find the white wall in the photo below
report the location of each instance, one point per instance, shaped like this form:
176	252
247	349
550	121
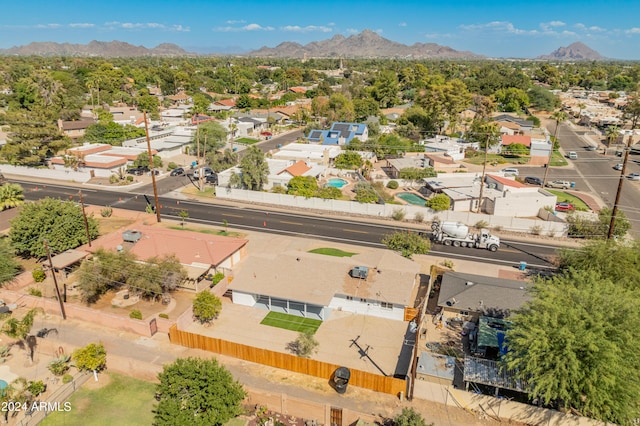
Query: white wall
370	307
244	299
44	173
386	210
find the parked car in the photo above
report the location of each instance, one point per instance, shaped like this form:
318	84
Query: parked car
135	171
565	207
618	167
532	180
573	155
510	171
212	179
590	148
563	184
206	171
633	176
178	171
155	172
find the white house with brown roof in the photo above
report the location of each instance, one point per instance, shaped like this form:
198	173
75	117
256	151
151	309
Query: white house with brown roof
312	285
75	129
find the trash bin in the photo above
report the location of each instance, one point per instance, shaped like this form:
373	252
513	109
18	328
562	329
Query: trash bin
340	379
523	266
573	184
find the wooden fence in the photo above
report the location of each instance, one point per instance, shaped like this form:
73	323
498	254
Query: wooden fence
311	367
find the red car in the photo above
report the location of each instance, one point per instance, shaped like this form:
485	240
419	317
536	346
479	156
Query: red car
565	207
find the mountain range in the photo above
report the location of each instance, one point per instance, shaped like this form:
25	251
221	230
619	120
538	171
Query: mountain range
366	44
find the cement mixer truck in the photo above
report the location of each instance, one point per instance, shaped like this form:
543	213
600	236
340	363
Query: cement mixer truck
457	234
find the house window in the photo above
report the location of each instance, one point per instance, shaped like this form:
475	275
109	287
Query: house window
386	305
349	297
363	300
464	313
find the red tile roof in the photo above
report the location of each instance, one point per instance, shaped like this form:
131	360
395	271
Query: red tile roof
226	102
521	139
508	182
297	169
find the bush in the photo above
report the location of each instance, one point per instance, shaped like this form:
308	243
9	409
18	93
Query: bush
67	378
172	165
439	202
163	315
392	184
418	217
398	214
36	388
114	179
59	366
135	314
481	224
35	292
129	178
38	275
106	212
536	229
217	278
206	307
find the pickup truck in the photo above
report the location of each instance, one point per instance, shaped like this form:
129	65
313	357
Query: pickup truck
561	184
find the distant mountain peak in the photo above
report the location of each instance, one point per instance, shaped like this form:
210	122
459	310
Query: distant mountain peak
94	48
577	51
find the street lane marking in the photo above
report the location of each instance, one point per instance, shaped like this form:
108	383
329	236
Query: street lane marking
353	230
231	215
291	223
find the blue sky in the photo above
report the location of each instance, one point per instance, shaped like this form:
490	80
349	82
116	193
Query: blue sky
494	28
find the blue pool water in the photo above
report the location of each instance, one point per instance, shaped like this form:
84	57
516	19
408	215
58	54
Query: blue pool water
3	384
337	182
411	198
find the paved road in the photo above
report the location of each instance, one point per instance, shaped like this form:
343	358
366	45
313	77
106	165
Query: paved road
292	223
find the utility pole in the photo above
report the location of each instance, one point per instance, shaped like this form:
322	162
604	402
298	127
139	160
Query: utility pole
86	222
55	281
204	161
614	211
153	170
484	169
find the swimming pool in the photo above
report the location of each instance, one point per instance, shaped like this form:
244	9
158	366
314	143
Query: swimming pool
337	182
412	198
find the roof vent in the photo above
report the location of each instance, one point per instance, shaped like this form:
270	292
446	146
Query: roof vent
360	272
452	302
131	236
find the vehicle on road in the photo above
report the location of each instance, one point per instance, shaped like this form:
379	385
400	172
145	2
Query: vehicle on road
562	184
510	171
590	148
532	180
565	207
573	155
206	171
633	176
457	234
618	167
178	171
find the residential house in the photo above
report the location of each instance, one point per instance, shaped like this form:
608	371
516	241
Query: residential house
452	147
339	134
378	283
317	154
180	98
127	115
507	140
524	125
75	129
280	172
395	165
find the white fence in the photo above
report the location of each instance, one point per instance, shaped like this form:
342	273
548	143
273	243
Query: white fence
45	173
515	224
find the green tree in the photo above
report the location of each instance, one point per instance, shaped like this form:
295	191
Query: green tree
302	186
612	134
340	108
105	271
439	202
206	307
222	161
197	392
582	227
20	329
9	267
365	193
142	160
415	173
511	99
573	344
409	417
255	169
348	160
407	243
112	133
11	195
213	134
329	192
516	149
59	222
92	357
385	88
305	345
543	99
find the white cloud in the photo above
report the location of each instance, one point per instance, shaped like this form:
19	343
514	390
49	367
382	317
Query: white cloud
249	27
632	31
82	25
556	24
352	31
236	21
145	25
49	26
307	29
402	24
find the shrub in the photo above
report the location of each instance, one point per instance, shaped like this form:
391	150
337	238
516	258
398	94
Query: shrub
107	211
497	228
392	184
439	202
163	315
67	378
398	214
135	314
447	263
35	292
59	366
536	229
206	307
114	179
217	278
38	275
481	224
172	165
36	388
129	178
418	217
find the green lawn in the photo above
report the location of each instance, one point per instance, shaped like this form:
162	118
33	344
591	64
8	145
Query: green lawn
564	197
246	141
496	159
291	322
124	401
332	252
557	160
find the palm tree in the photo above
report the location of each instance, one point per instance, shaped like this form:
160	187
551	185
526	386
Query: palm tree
559	116
20	329
612	134
11	195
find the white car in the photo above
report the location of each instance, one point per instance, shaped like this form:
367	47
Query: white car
634	176
207	171
618	167
510	171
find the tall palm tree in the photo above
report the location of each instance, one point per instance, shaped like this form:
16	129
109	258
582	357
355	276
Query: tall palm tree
11	195
559	117
612	134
